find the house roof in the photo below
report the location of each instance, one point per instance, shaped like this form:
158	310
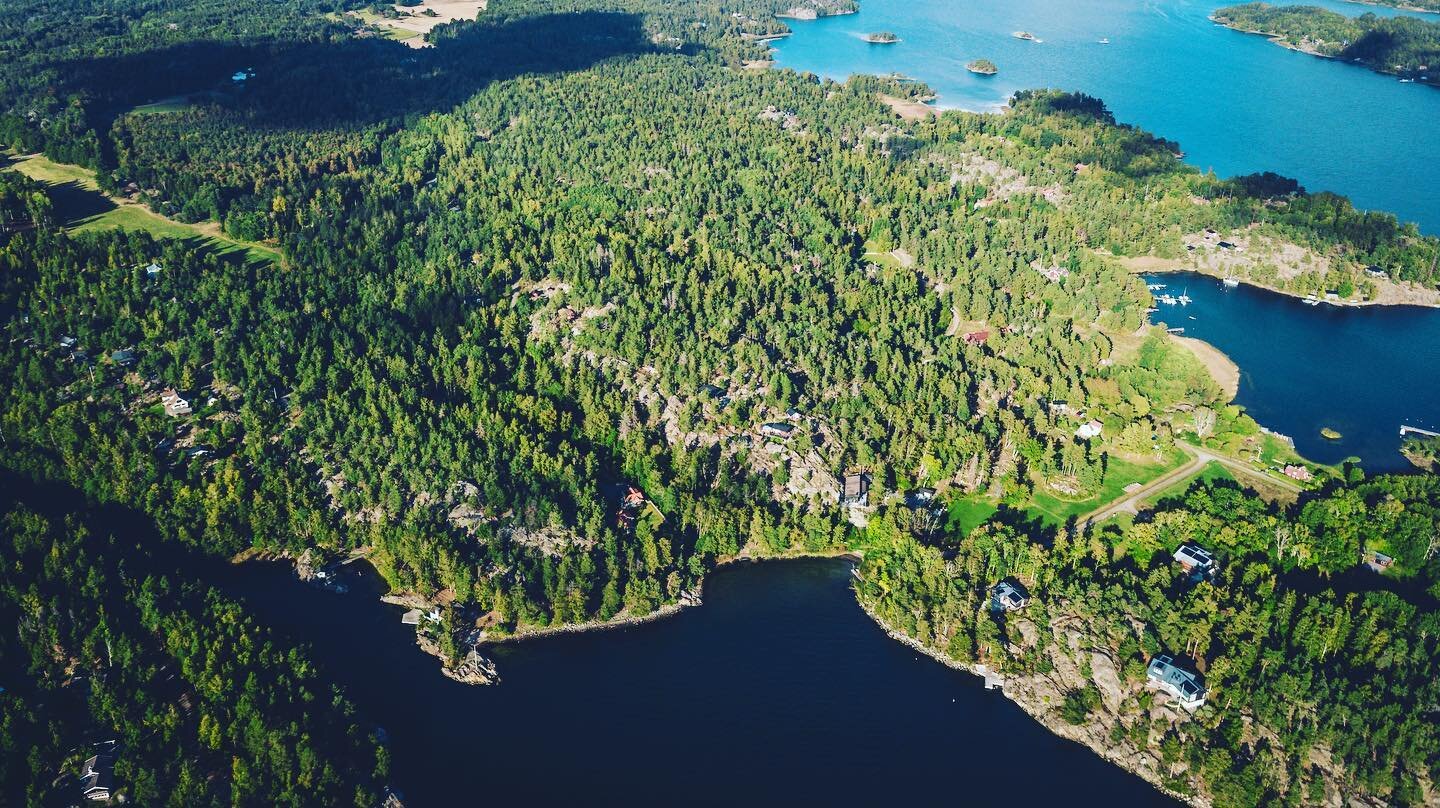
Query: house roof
856	484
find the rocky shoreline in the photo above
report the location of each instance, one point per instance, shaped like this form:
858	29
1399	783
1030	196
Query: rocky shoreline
1024	693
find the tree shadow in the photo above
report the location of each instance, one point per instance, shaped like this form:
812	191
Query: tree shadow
74	203
355	81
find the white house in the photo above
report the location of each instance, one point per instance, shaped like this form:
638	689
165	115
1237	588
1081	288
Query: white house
1183	685
1090	430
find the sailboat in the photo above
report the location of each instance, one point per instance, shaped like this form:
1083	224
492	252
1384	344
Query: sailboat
1104	40
1184	297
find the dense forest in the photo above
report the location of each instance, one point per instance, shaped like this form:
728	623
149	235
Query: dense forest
114	646
1403	45
573	248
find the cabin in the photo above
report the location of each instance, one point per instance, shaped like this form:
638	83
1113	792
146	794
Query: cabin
1008	597
793	414
1195	559
153	269
123	358
175	405
1226	245
1299	473
977	337
1090	430
68	342
1375	272
96	777
1059	407
1376	561
777	429
1183	685
855	490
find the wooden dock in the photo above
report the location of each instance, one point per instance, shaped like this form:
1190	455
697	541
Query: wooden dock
1406	429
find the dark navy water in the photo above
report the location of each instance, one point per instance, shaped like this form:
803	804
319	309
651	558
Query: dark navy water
778	691
1360	371
1236	103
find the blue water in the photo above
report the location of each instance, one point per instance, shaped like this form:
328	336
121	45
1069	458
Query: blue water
1236	103
1360	371
778	691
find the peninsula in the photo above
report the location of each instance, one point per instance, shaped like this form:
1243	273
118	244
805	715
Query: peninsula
1402	46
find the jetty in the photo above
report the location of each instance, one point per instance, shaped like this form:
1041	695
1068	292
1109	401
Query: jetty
1406	429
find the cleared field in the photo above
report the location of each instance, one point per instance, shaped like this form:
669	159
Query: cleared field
416	21
82	206
1056	511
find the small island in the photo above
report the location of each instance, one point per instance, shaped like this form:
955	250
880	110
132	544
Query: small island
1329	434
881	38
983	67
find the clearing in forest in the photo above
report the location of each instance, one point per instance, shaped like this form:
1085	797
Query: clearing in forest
80	205
416	21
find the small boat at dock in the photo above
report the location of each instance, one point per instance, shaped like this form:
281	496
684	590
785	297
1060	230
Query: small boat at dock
1155	286
1175	331
1168	300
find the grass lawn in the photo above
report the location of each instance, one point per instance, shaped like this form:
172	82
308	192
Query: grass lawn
175	104
968	513
1056	511
82	206
1211	473
882	259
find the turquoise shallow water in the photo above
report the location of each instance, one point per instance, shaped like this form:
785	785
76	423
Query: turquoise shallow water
1236	103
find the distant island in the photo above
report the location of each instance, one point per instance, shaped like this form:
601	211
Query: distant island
1426	6
1400	46
881	38
984	67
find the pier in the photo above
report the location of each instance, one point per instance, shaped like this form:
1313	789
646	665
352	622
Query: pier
1406	429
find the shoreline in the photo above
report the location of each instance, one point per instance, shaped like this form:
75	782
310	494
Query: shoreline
1167	268
1283	41
1107	754
1406	7
661	612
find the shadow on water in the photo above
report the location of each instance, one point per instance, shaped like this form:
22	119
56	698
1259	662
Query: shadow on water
355	81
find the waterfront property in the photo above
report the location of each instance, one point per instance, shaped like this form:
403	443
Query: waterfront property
1008	597
1167	676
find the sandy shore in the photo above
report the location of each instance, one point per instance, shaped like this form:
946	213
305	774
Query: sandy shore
908	109
1222	368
